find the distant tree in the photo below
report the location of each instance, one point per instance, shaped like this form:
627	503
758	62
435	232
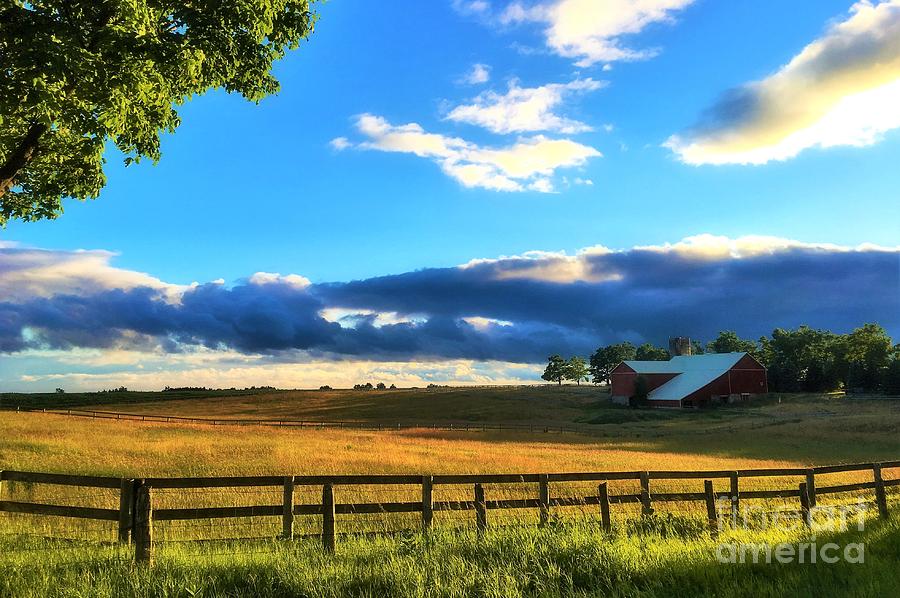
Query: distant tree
803	360
78	77
697	347
381	386
576	370
393	387
60	391
650	352
891	381
555	370
605	359
867	352
325	387
729	342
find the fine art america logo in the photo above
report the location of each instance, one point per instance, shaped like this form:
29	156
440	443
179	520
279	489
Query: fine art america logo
819	520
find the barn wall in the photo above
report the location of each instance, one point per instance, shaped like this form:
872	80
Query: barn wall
623	382
747	376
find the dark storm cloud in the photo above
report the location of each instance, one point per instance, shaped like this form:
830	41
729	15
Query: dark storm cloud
520	309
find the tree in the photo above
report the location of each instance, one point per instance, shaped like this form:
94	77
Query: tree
555	370
604	359
868	352
891	382
576	370
650	352
381	386
729	342
805	359
76	74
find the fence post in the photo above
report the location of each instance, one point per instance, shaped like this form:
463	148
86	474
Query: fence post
126	510
880	498
735	497
603	493
804	504
143	524
480	509
287	509
646	504
711	514
328	518
544	497
427	501
811	486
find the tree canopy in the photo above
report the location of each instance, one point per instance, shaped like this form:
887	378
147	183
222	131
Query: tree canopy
76	74
576	370
650	352
604	359
729	342
555	370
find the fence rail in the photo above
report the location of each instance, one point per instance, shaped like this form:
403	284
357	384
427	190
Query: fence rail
136	514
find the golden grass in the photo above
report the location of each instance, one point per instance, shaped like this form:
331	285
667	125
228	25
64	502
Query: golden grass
48	442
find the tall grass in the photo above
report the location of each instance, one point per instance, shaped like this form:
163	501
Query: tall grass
661	557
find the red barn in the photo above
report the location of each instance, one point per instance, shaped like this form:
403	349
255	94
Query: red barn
692	380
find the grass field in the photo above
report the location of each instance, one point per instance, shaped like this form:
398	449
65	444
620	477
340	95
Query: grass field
570	559
508	563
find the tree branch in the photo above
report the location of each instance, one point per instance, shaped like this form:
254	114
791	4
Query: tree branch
20	157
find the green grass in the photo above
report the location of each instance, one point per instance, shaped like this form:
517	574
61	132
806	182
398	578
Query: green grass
565	560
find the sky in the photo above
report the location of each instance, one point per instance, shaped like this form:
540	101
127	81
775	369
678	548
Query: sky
449	191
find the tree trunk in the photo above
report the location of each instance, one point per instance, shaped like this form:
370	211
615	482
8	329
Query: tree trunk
20	157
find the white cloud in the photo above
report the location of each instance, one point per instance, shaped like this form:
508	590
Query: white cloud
294	280
523	165
30	272
590	31
350	317
841	90
717	247
472	7
340	143
524	109
478	74
548	266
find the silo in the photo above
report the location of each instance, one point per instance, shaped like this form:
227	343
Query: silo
679	345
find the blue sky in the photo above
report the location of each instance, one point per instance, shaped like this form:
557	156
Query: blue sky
246	188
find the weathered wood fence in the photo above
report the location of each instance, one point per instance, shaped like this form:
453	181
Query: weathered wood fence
136	514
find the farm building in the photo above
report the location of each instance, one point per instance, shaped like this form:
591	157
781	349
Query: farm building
692	380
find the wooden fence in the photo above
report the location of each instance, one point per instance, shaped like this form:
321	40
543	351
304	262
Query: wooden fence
136	514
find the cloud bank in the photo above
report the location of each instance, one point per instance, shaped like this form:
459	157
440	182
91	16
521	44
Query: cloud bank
515	309
843	89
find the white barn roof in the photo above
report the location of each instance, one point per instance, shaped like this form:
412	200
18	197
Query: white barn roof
693	373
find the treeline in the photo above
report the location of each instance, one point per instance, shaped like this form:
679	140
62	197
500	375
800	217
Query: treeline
368	386
205	389
802	360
